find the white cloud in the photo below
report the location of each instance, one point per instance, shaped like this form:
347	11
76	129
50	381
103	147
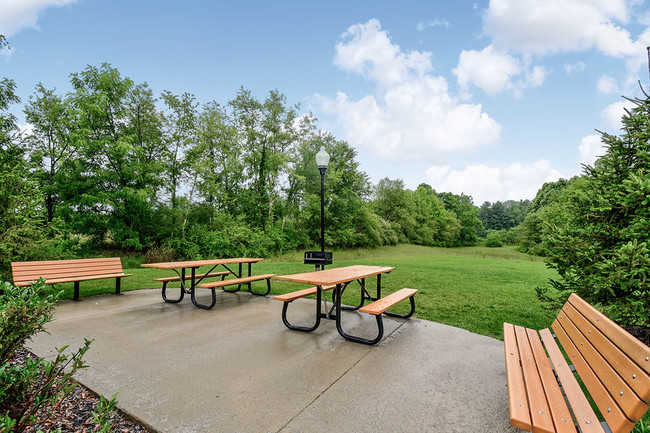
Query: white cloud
494	72
436	22
18	14
574	68
549	26
607	85
411	116
590	148
516	181
613	113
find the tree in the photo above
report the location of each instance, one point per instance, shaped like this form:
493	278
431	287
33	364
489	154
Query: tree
49	140
112	182
268	140
394	204
598	239
467	215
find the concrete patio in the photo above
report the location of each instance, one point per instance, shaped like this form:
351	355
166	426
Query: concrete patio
236	368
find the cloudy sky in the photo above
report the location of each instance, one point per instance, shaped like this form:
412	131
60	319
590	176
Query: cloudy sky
488	98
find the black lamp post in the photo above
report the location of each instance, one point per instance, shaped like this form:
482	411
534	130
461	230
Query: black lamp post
322	159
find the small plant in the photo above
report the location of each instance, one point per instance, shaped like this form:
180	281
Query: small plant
104	412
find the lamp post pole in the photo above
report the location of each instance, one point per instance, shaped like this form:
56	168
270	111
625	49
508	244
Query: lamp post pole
322	208
322	159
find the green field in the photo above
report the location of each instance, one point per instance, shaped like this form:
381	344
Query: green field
473	288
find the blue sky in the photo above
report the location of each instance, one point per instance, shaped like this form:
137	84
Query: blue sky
488	98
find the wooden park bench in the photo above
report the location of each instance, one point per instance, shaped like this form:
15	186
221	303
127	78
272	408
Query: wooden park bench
69	271
238	282
543	392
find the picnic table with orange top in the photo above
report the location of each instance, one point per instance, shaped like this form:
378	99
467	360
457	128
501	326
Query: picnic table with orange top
196	280
338	279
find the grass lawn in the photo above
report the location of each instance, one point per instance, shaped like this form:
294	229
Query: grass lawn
473	288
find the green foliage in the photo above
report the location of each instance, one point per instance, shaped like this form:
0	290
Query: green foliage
597	236
105	410
29	391
493	239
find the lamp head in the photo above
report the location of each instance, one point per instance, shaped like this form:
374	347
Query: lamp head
322	158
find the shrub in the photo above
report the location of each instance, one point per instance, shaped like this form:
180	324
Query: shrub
493	239
30	390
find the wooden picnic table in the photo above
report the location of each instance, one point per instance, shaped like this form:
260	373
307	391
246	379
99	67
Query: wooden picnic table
195	280
338	279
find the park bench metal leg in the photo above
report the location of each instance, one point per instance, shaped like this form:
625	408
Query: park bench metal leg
76	291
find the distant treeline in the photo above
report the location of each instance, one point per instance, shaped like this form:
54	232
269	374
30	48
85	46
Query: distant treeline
111	166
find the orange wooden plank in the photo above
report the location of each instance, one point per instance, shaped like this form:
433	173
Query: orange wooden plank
632	347
517	401
287	297
559	410
383	304
540	413
608	386
189	276
584	414
234	281
628	370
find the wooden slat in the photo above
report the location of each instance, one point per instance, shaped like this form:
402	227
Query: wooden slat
584	414
632	347
611	411
336	275
71	270
559	410
234	281
383	304
540	413
628	370
593	363
189	277
288	297
73	279
199	263
517	401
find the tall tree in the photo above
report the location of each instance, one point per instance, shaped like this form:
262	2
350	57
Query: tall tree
112	183
49	140
268	137
599	236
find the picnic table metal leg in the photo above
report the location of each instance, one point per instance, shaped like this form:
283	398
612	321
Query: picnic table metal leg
182	295
193	294
303	328
237	276
404	316
380	324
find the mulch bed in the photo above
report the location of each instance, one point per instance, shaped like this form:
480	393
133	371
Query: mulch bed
75	413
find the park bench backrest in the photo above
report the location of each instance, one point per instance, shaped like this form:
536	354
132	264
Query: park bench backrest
614	366
26	272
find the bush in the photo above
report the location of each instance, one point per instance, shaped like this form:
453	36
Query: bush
30	390
493	239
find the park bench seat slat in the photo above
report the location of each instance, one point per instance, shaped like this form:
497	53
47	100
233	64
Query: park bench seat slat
189	276
610	362
292	296
234	281
539	410
383	304
517	400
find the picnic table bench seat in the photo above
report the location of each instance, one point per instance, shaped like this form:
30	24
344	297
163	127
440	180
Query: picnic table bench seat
69	271
166	280
239	281
543	393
